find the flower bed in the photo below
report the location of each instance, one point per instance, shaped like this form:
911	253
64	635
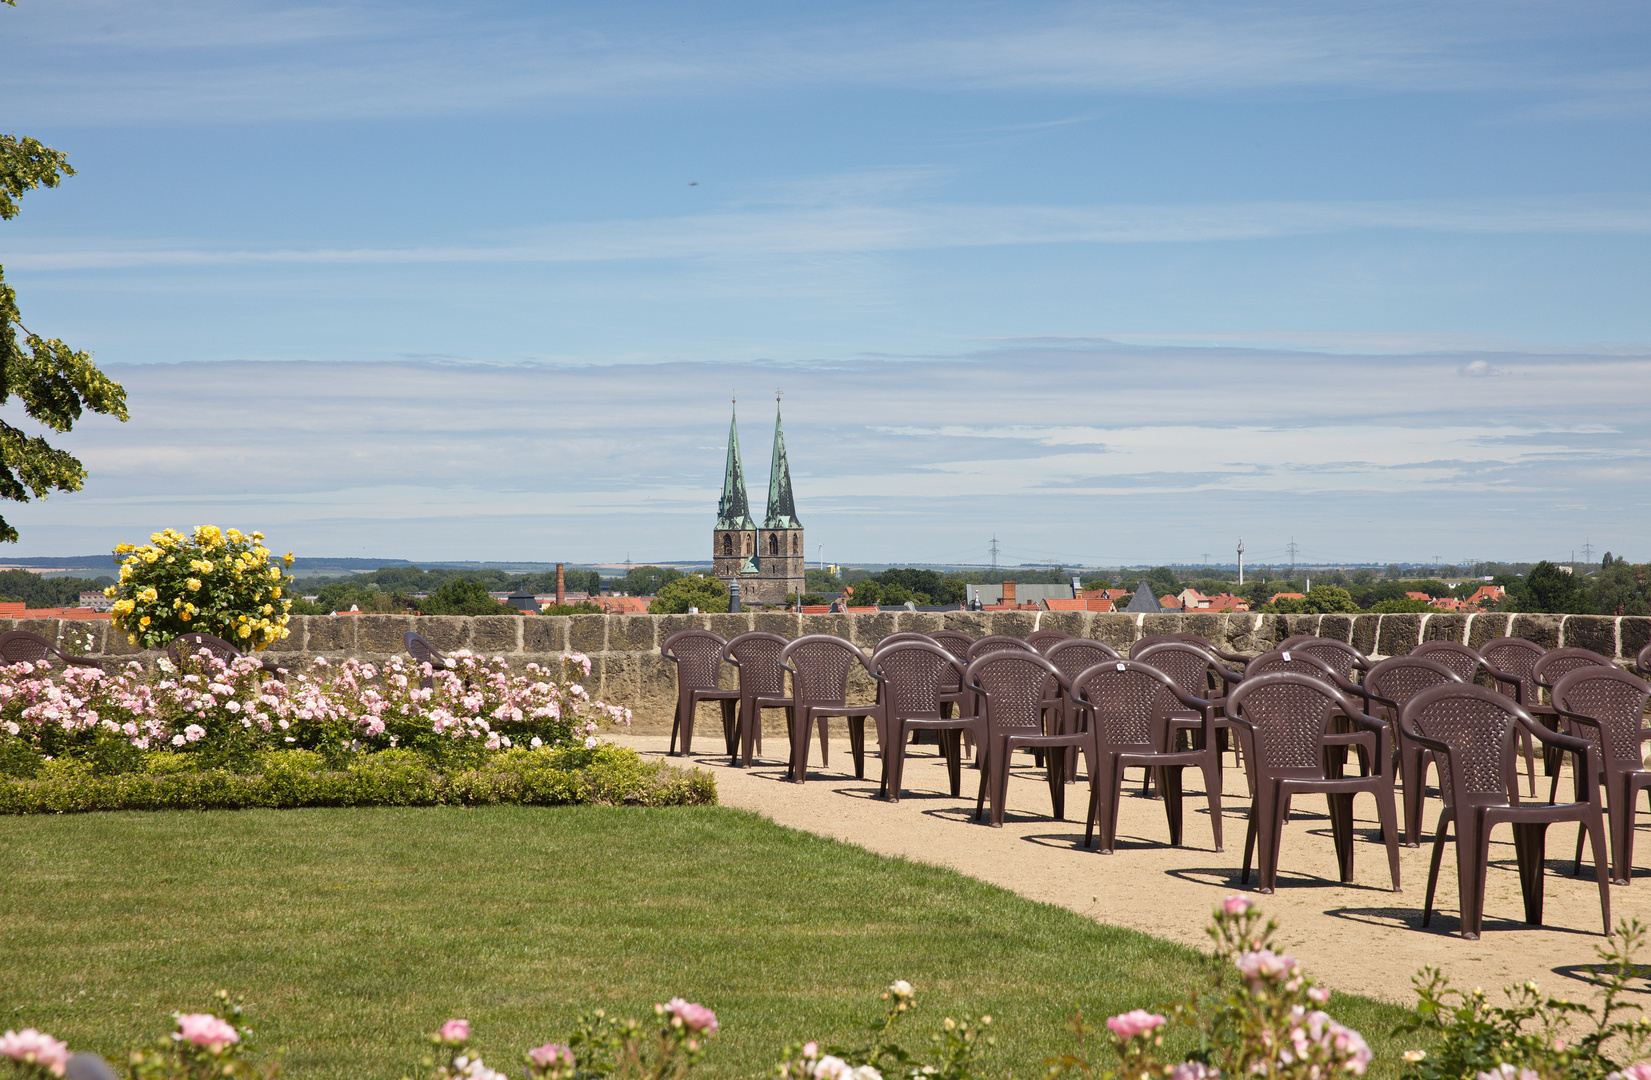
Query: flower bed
220	735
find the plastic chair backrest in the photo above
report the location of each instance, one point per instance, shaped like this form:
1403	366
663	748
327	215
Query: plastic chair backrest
997	643
1555	664
1479	726
1513	656
820	665
916	673
1290	712
1128	699
1187	666
1403	677
23	647
698	656
1458	658
1044	640
1613	697
188	646
1013	681
758	661
1079	654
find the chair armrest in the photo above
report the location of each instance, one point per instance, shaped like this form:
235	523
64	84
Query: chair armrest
667	655
1578	718
1235	718
787	667
1501	676
1568	742
1424	742
1229	657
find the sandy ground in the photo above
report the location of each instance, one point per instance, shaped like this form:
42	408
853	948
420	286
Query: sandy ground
1360	937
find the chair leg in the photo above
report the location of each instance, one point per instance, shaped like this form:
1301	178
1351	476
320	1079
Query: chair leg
1596	829
1249	844
1341	829
951	744
800	718
1472	861
985	776
690	709
1445	817
1388	814
1413	773
676	726
1530	761
742	733
825	746
894	761
1272	841
730	726
857	745
1530	842
1212	790
1169	782
1056	758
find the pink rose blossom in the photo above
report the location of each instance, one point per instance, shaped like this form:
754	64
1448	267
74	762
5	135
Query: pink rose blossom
36	1047
204	1029
1194	1070
1265	966
550	1054
693	1017
455	1031
1236	905
1633	1072
1133	1023
811	1049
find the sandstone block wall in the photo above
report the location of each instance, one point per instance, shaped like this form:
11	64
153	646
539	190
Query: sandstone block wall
627	669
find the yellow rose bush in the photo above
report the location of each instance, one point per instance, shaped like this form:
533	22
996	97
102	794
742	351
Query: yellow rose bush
217	581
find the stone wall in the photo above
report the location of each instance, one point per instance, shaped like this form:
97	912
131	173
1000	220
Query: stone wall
628	670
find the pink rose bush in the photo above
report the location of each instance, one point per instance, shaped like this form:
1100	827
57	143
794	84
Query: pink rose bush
36	1050
204	1029
227	712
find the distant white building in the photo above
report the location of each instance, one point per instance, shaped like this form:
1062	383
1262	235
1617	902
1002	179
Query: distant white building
96	601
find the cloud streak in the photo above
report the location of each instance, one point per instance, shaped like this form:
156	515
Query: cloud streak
869	227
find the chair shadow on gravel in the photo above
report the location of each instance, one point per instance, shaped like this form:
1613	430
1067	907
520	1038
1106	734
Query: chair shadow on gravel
1595	976
1288	880
1446	923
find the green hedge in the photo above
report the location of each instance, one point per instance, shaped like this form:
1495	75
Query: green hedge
603	776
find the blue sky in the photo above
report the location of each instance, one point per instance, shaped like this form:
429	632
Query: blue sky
1117	282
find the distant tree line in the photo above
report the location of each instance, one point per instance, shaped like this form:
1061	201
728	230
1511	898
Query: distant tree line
39	591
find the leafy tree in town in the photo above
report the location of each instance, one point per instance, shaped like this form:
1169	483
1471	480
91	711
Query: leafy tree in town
692	590
822	581
1620	588
647	580
463	596
1396	605
1320	600
56	383
39	591
1548	588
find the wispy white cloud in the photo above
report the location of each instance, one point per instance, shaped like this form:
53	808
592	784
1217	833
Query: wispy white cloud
1074	450
846	227
239	61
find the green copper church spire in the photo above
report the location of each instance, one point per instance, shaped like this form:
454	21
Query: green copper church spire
734	509
782	510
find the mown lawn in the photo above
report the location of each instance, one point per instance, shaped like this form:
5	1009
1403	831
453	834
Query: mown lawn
352	933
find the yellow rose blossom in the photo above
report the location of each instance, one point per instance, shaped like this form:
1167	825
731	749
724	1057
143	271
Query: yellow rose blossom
151	555
193	584
110	592
268	609
132	639
288	558
149	595
243	631
121	549
275	593
186	615
144	621
275	573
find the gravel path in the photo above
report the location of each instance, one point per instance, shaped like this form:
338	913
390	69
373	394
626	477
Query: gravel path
1360	937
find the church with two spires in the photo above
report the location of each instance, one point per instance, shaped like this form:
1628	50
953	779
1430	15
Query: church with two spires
768	561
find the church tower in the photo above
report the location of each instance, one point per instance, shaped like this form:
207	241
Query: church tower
734	539
780	541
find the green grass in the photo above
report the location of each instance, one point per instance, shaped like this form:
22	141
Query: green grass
351	933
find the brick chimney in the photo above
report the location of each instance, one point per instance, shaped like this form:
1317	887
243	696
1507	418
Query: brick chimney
1008	592
561	586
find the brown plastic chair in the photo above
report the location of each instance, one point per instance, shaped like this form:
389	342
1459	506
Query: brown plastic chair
1508	661
1070	657
23	647
1606	706
187	646
1283	718
1332	666
1391	684
423	653
1342	658
697	655
1130	705
756	656
1471	732
911	676
1548	669
1150	640
820	666
996	643
1043	640
1642	662
904	635
1198	674
1465	662
957	643
1010	684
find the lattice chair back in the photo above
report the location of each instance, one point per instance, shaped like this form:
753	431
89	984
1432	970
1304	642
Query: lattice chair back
1044	640
698	655
758	653
1480	727
1187	666
1013	681
1458	658
1555	664
1290	712
1129	700
23	647
1617	700
916	673
1338	656
1079	654
1291	659
1403	677
820	666
996	643
1514	656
